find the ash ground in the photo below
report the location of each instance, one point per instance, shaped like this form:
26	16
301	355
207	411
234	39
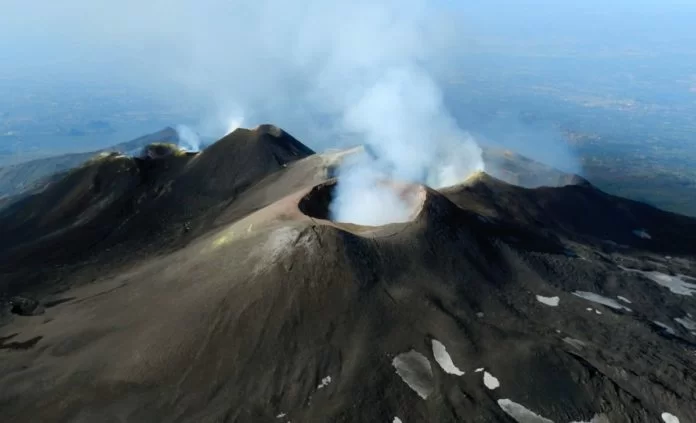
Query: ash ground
211	287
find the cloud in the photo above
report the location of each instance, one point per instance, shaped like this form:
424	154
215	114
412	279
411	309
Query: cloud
319	69
294	63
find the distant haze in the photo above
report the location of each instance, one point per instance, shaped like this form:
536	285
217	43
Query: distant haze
277	61
344	72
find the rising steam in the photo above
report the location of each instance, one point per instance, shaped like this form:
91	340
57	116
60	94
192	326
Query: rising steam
318	69
188	138
402	119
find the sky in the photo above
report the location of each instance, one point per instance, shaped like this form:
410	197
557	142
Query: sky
305	63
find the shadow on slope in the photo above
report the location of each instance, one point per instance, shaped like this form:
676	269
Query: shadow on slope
579	212
36	174
130	206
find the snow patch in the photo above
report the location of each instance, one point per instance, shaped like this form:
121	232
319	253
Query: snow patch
444	360
667	328
324	382
642	233
479	370
520	413
624	299
281	415
490	381
414	369
549	301
397	420
686	322
596	298
669	418
574	342
598	312
676	284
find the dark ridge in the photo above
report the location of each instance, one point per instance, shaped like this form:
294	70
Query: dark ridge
20	346
578	212
23	306
160	150
126	207
519	170
53	303
32	176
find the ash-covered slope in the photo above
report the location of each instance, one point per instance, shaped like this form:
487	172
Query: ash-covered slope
35	174
127	206
522	171
270	312
579	212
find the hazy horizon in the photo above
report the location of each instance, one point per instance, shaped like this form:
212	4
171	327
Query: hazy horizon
304	65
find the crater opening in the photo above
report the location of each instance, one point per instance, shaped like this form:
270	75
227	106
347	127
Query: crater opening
377	204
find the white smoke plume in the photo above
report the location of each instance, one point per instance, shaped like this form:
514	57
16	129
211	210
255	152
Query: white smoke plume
316	68
404	122
188	138
361	198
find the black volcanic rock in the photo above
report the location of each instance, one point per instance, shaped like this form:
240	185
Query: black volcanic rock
579	212
494	303
22	306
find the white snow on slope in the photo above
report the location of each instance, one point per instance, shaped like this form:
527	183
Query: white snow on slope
574	342
549	301
641	233
490	381
676	284
624	299
596	298
670	330
443	359
520	413
686	322
397	420
324	382
414	369
669	418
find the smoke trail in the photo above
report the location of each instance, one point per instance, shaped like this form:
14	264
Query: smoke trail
188	139
313	67
404	122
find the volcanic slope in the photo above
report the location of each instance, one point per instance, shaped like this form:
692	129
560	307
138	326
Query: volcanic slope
126	206
268	311
34	174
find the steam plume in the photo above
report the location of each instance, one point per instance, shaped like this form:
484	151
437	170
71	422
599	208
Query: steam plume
402	118
317	68
188	139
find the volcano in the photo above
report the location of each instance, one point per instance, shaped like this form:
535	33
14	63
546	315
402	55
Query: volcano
214	287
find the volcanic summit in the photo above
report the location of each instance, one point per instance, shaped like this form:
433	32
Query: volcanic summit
217	287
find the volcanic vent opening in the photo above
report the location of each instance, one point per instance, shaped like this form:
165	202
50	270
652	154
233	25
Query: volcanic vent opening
379	203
